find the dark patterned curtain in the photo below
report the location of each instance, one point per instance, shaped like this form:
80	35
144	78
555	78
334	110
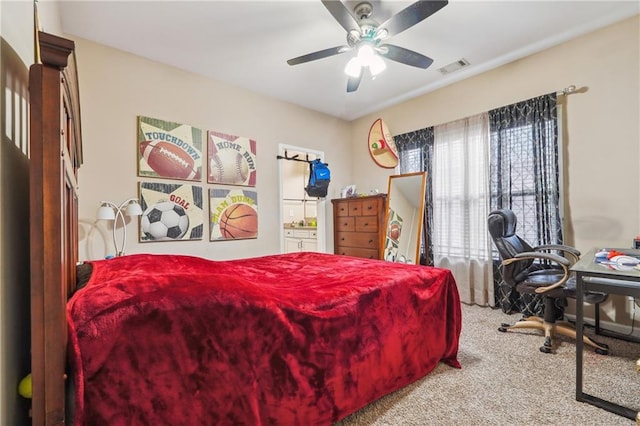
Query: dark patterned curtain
415	151
524	177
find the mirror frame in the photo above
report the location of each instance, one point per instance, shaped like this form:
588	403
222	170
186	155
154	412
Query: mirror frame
420	214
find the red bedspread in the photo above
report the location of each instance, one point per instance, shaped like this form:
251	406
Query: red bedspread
294	339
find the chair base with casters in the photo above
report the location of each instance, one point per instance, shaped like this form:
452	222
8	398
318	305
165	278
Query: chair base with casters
551	328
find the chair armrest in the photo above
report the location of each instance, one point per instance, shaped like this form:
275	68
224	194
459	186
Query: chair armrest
563	262
574	253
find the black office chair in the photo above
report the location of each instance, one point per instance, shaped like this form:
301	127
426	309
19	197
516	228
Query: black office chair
549	278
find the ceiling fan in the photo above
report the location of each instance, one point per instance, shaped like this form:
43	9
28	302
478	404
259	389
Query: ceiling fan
368	37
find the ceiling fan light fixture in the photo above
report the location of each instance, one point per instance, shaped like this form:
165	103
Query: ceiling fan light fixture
376	65
366	54
353	68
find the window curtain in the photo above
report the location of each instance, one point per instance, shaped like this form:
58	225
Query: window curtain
415	151
525	177
461	202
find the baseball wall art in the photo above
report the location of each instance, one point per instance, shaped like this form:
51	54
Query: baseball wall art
234	214
232	159
169	150
171	212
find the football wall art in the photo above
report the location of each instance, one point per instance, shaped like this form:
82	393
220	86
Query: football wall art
232	159
171	212
169	150
233	214
392	239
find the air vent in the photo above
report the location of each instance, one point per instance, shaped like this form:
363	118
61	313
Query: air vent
454	66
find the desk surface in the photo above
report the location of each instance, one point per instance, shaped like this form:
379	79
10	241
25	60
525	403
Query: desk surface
586	264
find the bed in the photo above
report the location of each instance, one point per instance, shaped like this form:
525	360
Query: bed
299	338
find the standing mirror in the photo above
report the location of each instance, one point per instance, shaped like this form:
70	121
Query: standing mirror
405	210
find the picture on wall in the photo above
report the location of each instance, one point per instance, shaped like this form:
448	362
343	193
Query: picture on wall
171	212
233	214
232	159
169	150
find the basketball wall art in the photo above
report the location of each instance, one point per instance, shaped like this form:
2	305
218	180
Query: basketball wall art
232	159
171	212
169	150
234	214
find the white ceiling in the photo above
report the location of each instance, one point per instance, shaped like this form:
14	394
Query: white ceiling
247	43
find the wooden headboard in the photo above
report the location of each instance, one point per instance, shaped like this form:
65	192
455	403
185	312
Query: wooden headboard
55	156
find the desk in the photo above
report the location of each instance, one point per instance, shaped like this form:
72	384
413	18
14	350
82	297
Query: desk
595	277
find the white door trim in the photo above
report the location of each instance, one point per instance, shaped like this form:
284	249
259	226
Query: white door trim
321	225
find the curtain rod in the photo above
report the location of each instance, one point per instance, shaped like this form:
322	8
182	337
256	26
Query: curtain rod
567	90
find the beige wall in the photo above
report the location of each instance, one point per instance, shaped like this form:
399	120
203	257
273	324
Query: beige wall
601	127
602	142
116	87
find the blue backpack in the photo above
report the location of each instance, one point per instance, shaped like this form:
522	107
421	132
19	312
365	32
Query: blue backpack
319	178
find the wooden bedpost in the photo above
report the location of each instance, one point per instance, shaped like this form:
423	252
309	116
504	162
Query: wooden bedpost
55	155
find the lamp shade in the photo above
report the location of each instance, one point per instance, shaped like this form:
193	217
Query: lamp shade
353	68
376	65
134	209
106	212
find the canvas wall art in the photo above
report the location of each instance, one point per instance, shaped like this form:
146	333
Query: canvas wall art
169	150
233	214
171	212
231	159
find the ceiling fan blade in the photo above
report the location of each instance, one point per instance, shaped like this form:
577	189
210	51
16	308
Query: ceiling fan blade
341	14
404	56
408	17
318	55
353	83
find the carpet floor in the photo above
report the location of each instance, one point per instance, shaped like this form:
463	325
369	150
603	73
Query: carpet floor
506	380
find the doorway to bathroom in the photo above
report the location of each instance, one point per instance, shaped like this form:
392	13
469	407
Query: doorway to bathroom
302	217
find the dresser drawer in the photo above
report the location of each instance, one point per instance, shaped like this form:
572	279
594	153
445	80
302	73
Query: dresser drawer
301	233
358	252
345	224
358	239
355	208
370	207
366	224
342	208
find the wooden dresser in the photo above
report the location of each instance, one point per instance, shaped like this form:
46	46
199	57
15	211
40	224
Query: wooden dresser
358	226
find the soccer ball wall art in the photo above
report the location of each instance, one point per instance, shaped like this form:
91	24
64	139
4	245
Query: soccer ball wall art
163	221
171	212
